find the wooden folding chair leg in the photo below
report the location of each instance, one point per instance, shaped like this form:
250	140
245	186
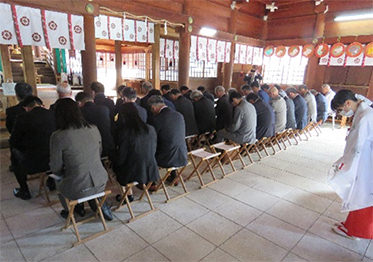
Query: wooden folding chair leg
146	188
99	205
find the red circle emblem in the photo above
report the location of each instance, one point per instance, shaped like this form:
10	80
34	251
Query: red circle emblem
25	21
98	23
77	29
280	51
339	60
321	50
293	51
143	37
36	37
112	26
337	50
369	50
104	33
118	35
126	28
354	49
151	30
176	47
6	35
307	50
62	40
132	36
139	29
52	25
269	51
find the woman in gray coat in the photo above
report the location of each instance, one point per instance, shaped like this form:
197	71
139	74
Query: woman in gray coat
75	156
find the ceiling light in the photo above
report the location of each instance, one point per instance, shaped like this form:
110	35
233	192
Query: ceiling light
353	17
206	31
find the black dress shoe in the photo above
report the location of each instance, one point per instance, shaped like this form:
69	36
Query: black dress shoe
22	194
51	184
79	209
106	211
119	198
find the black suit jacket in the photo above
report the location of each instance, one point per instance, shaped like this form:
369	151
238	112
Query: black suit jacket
30	137
224	113
171	146
185	107
264	119
11	115
300	108
99	116
205	115
100	99
209	96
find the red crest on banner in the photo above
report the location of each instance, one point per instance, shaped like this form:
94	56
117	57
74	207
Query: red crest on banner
269	50
293	50
369	50
354	49
280	51
307	50
321	50
337	50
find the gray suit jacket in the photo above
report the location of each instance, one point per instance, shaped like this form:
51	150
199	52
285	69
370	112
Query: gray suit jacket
279	106
312	108
243	126
75	156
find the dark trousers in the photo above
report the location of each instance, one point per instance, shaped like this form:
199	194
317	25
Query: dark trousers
21	176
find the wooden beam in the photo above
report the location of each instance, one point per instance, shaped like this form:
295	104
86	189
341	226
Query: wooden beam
156	60
370	88
147	65
29	68
89	66
184	57
228	68
118	62
5	59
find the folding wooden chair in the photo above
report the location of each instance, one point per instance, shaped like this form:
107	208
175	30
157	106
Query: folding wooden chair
42	176
70	221
271	141
107	165
280	138
125	192
204	139
248	148
230	151
179	171
291	133
261	145
205	157
189	140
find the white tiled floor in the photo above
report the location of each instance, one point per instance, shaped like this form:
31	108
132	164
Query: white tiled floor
278	209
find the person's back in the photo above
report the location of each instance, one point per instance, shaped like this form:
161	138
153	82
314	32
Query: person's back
290	113
224	113
99	116
31	135
279	107
244	122
171	146
311	107
264	96
98	91
322	106
184	106
300	109
205	115
265	119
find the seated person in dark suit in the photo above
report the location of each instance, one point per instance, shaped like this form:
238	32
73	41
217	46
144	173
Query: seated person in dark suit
223	109
170	127
146	87
165	90
30	142
300	108
119	101
185	91
206	93
137	144
98	92
63	91
264	116
321	105
290	111
99	116
22	91
75	157
204	111
130	96
260	92
185	107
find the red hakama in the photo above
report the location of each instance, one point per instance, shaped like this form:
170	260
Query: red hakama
359	223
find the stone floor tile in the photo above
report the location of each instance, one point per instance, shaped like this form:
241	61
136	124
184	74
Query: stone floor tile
184	245
334	212
308	200
293	214
214	228
5	234
274	188
369	252
10	252
15	206
228	187
247	246
218	255
314	248
277	231
257	199
238	212
77	254
293	258
154	226
208	198
148	254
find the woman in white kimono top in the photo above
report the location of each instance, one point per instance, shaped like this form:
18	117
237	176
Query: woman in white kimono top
352	175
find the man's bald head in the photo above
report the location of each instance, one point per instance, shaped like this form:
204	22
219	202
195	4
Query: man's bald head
273	92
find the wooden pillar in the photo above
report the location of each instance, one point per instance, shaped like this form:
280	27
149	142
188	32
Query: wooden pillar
118	62
184	57
147	65
37	51
313	79
89	65
29	73
370	88
228	68
5	59
156	59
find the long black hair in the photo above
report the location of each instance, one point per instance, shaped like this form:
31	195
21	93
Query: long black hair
341	97
130	119
68	115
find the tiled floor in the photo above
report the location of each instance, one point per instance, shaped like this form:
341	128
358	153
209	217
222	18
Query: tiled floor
278	209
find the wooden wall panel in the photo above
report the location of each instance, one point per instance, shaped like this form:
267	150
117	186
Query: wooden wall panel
249	26
299	27
364	27
336	74
285	12
359	76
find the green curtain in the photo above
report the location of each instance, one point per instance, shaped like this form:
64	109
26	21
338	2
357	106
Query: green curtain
58	60
1	63
61	60
63	55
